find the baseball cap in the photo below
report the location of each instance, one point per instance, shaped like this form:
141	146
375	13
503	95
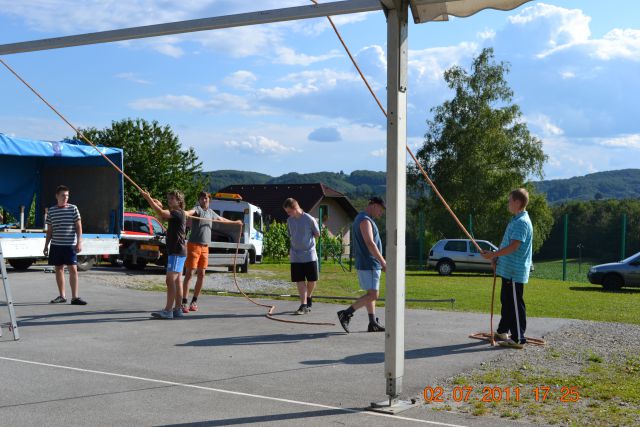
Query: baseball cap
377	200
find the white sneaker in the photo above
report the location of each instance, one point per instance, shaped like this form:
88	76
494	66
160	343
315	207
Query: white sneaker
501	337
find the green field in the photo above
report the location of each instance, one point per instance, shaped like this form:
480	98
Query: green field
472	292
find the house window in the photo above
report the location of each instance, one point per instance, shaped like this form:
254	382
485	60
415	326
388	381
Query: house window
323	213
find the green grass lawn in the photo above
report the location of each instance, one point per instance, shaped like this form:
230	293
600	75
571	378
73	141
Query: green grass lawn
472	292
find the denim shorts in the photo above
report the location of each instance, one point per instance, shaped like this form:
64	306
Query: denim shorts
175	263
369	279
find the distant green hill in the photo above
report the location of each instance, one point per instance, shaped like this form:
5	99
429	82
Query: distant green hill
618	184
357	184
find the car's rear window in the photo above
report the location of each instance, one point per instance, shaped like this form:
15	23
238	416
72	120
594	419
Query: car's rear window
456	246
137	224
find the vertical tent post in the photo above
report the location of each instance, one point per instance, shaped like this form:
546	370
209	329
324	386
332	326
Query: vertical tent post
397	47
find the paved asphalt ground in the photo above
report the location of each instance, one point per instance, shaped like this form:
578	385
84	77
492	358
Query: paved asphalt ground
108	363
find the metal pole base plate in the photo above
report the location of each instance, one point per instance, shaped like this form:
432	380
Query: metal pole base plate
392	406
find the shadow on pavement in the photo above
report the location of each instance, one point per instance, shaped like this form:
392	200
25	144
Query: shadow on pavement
258	339
266	418
420	353
71	318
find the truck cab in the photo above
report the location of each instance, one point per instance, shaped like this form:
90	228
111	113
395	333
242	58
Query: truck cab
232	207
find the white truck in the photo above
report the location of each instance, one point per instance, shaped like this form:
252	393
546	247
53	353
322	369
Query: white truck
232	207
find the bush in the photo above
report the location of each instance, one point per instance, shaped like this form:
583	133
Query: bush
276	241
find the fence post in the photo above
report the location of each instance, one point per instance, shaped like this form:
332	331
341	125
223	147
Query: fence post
623	243
564	247
421	239
320	211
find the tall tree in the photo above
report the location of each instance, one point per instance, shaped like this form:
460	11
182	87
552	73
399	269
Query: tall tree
476	149
154	158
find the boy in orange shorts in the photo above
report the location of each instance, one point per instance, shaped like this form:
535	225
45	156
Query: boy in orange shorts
198	248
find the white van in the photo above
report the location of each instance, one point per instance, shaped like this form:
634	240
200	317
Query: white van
232	207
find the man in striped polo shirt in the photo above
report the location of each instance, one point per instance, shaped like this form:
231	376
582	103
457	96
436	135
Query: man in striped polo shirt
64	231
512	263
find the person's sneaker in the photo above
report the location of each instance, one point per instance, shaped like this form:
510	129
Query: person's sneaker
375	326
178	313
501	337
309	302
162	314
184	308
58	300
303	309
344	319
193	307
511	344
78	301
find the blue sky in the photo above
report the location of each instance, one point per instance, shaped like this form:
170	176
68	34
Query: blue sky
284	97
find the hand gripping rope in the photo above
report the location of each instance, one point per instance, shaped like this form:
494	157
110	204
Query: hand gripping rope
480	335
269	314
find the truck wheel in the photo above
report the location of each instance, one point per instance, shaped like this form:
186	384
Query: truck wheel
612	282
85	263
252	257
244	268
445	268
21	264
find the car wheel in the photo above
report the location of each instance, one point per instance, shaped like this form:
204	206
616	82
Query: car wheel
85	263
445	268
612	282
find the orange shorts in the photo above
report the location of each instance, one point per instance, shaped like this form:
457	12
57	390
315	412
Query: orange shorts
197	256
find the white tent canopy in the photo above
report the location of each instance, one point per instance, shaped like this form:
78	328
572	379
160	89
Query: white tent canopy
397	12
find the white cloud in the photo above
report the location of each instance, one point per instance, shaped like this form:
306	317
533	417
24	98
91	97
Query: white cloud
432	62
241	79
487	34
259	145
570	28
567	74
168	102
624	141
308	82
567	26
379	153
288	56
132	77
544	123
618	43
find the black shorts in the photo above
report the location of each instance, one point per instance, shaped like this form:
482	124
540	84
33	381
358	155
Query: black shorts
301	271
62	255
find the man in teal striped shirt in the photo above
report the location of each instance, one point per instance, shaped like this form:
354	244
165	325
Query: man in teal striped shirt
513	262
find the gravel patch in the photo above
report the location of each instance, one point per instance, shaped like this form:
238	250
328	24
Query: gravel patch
567	354
259	282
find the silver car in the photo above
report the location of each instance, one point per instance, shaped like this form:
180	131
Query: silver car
449	255
615	275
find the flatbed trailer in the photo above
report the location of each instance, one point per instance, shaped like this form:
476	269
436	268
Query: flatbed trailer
30	172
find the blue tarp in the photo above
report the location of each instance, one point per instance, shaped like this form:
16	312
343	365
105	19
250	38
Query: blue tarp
22	161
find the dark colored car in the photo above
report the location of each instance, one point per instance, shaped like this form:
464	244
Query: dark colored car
615	275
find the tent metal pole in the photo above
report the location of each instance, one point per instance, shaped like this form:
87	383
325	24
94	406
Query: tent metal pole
203	24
